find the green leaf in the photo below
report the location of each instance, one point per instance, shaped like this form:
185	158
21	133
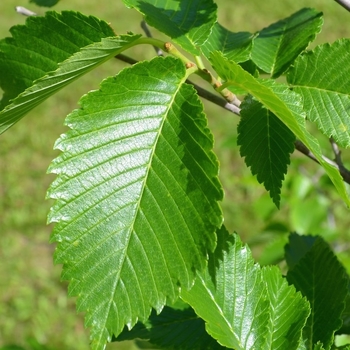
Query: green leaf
242	303
322	77
188	23
41	64
45	3
288	311
318	346
345	328
37	47
283	103
173	329
266	143
321	278
277	46
234	46
137	192
71	69
297	247
231	296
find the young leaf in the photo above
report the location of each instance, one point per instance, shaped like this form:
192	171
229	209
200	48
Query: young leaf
173	329
240	310
283	103
46	55
234	46
320	277
266	143
188	23
288	311
231	296
322	77
137	192
277	46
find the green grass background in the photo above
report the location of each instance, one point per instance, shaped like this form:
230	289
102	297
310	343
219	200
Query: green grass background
34	309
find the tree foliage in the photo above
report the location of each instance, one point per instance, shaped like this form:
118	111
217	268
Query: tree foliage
138	223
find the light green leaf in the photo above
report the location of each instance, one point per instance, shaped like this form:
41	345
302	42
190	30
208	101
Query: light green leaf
231	296
37	47
345	328
282	102
173	329
277	46
234	46
188	23
288	311
51	60
137	195
322	77
266	143
320	277
246	307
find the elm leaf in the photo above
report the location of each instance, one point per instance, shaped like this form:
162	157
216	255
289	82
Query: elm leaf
136	196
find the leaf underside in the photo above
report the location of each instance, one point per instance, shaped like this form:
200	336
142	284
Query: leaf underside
47	54
242	304
188	23
322	77
137	194
277	46
320	277
266	143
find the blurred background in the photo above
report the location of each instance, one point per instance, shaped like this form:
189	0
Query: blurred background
35	313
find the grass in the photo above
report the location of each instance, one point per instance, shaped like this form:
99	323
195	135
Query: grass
34	306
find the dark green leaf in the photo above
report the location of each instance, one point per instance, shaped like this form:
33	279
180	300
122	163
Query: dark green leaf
46	55
345	328
266	143
242	304
45	3
136	195
188	23
282	102
322	77
297	247
39	46
173	329
234	46
277	46
322	279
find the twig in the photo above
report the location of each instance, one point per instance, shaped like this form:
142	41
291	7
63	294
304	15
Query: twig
126	59
344	3
25	12
219	101
145	28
